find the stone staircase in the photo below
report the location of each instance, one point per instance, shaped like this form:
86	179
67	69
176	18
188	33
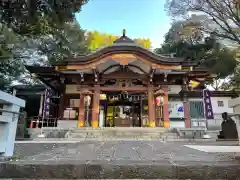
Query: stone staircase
120	133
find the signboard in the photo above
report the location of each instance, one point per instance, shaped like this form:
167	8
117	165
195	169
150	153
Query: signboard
46	105
74	102
176	109
174	89
208	111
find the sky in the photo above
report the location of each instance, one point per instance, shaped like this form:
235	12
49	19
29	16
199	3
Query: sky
140	18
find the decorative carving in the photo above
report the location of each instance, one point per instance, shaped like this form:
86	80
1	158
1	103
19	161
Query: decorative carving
124	56
124	83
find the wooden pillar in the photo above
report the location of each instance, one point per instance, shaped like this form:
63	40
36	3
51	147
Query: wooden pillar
151	107
81	112
186	113
186	108
62	101
61	106
41	105
165	107
95	107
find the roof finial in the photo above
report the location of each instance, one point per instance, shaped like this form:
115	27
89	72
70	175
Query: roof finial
124	32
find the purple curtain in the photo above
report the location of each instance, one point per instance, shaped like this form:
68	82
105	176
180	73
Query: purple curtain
207	104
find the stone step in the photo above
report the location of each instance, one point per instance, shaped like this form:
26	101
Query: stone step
120	133
113	135
118	129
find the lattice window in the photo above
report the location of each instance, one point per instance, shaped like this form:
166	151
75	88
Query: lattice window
196	109
220	103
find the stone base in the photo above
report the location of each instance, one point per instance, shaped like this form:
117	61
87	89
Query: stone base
67	124
116	170
50	132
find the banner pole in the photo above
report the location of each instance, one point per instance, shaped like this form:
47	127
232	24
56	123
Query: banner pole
204	111
43	116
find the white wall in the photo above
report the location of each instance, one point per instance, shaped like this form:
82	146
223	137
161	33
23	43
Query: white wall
224	108
235	104
216	109
215	124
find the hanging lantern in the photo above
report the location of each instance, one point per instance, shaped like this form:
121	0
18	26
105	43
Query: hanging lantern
103	96
145	107
87	100
159	100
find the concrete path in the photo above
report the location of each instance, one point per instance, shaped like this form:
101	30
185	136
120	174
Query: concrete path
215	149
119	159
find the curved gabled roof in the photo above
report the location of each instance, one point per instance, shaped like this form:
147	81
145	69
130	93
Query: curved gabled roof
125	45
123	49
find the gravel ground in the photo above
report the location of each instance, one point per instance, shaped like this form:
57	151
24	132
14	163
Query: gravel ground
119	160
120	150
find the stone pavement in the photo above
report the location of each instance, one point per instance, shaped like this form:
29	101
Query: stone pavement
119	159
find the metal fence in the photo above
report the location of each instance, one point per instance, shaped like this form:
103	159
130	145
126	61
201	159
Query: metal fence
39	122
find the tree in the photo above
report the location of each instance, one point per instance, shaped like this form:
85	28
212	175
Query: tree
185	39
233	82
97	40
192	45
146	43
219	17
45	31
31	17
68	41
10	68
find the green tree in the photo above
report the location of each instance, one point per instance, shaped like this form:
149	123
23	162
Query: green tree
192	45
10	68
185	39
45	31
68	41
31	17
219	17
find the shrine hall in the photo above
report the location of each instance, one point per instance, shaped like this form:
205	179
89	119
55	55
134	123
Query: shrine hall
121	85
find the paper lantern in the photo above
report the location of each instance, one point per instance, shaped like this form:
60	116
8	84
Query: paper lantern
103	96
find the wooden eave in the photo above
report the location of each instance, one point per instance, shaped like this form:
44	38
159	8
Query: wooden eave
42	70
36	87
45	74
199	93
